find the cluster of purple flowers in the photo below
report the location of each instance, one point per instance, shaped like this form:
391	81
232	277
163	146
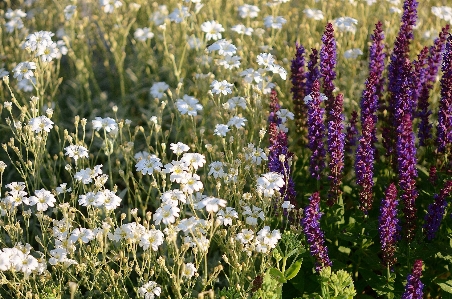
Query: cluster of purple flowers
327	65
435	211
389	225
414	286
315	237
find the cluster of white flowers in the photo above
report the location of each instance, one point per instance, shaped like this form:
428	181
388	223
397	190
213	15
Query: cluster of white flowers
136	233
69	11
87	175
353	53
103	198
143	34
346	24
223	87
235	102
242	29
19	259
248	11
109	6
15	19
179	15
64	245
253	214
254	154
149	290
315	14
41	45
270	182
76	151
443	12
274	22
108	124
227	50
263	242
40	123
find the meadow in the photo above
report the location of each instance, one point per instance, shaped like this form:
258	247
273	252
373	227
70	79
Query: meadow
225	149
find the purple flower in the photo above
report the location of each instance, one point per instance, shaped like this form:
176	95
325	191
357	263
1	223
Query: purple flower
314	235
444	129
369	104
397	72
298	78
327	65
316	132
313	71
336	140
352	132
406	161
435	211
279	148
414	285
377	58
433	61
389	225
364	165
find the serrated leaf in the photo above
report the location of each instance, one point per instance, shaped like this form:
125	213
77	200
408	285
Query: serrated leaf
275	273
293	269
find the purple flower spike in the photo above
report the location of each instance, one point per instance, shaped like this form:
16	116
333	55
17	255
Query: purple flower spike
336	140
313	71
314	235
279	148
414	285
435	211
316	132
298	79
328	64
433	61
364	165
444	129
389	225
377	58
369	104
406	161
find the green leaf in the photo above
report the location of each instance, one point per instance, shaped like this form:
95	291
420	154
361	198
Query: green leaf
446	286
277	274
293	269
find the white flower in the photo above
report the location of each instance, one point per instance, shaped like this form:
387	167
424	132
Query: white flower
166	214
83	234
62	189
285	114
250	75
189	270
177	169
212	29
274	22
76	152
277	69
229	62
212	204
237	121
242	29
174	196
266	59
110	5
158	89
108	199
69	11
149	290
143	34
194	160
152	238
248	11
443	12
24	70
177	15
15	19
216	169
226	217
346	24
370	2
191	183
353	53
3	73
149	164
48	51
253	214
267	239
266	87
315	14
188	105
43	199
40	123
223	87
255	155
221	130
287	205
224	47
245	237
307	99
108	124
179	148
395	10
270	182
159	15
232	103
86	175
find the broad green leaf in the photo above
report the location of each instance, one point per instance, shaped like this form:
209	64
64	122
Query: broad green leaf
293	269
446	286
